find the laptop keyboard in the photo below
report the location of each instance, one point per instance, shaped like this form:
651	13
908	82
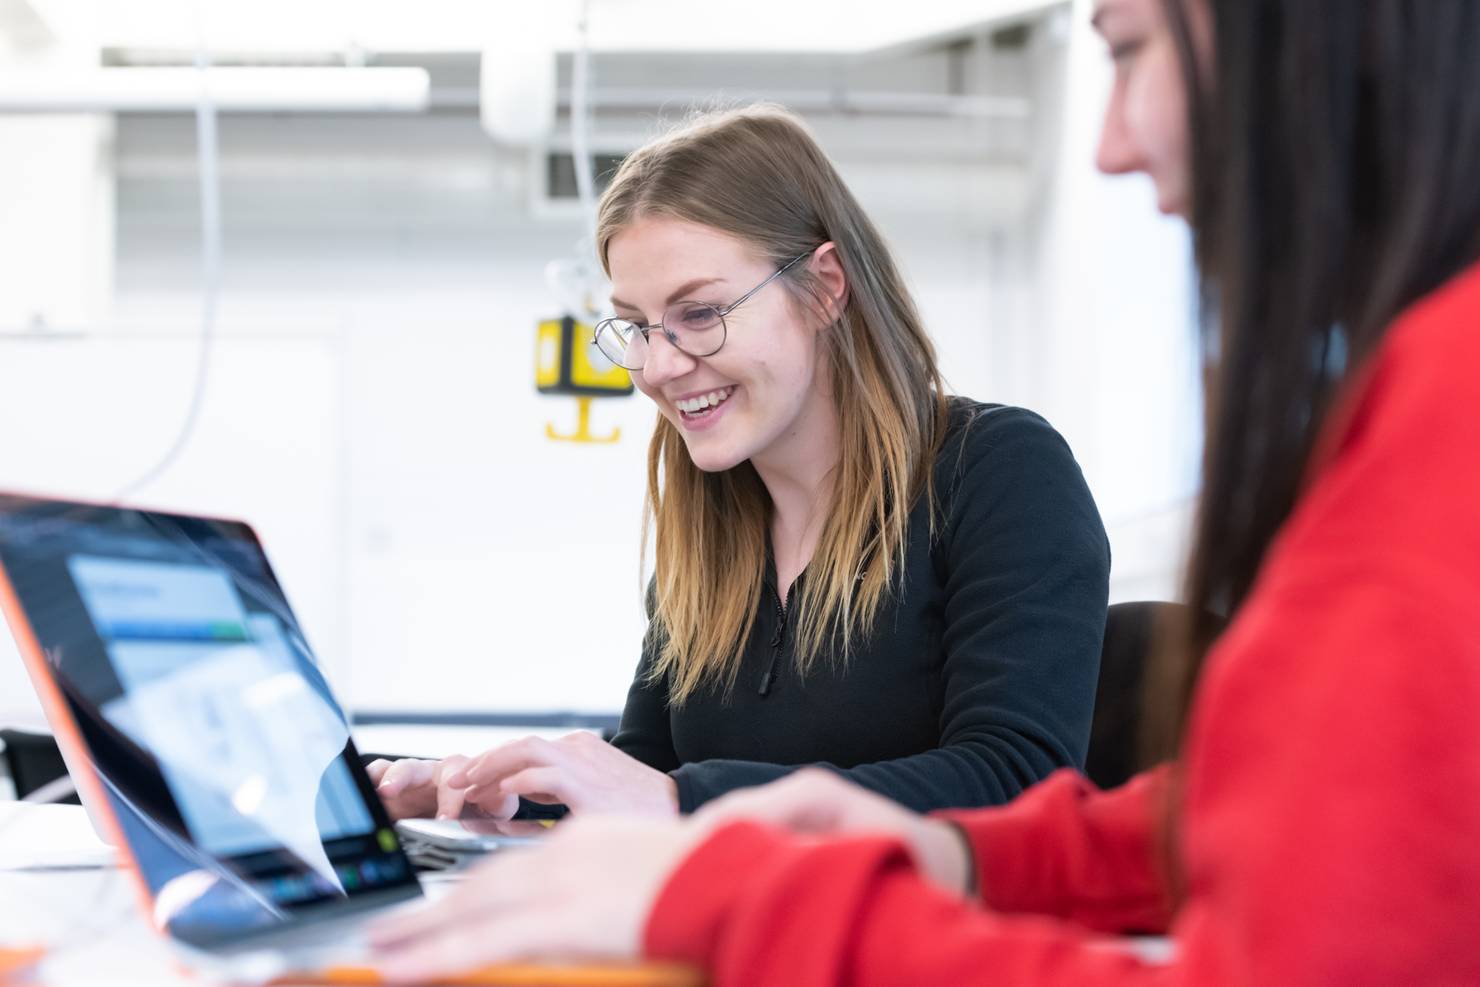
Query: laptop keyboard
426	858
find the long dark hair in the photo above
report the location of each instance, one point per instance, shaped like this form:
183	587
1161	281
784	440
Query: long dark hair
1336	180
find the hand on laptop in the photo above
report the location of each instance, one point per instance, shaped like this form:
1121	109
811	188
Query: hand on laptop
415	789
583	894
580	770
586	892
816	802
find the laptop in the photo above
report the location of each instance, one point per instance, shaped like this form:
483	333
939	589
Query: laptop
204	740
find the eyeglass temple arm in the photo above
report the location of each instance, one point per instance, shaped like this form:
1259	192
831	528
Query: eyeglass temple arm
779	271
723	311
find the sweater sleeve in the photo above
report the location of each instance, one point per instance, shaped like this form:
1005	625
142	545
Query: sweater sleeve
754	906
1025	566
1068	850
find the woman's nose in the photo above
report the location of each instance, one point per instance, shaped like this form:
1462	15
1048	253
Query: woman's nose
1116	153
665	361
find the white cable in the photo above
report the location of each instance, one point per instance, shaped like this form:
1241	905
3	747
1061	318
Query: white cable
580	120
53	791
208	156
582	161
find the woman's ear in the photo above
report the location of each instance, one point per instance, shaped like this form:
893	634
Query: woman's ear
827	268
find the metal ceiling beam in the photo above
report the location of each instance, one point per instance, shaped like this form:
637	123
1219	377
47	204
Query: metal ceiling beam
993	15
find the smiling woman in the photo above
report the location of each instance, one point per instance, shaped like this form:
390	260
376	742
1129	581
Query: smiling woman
851	568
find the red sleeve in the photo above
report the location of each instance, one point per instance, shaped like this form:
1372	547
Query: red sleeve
754	906
1328	830
1068	850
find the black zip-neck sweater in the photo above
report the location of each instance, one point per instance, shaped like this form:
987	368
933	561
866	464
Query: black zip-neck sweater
979	676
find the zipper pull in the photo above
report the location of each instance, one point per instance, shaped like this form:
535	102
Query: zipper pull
776	639
780	624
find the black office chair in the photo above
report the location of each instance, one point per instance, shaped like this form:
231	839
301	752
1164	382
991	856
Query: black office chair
1115	732
33	760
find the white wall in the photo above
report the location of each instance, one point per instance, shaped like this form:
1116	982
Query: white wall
1094	319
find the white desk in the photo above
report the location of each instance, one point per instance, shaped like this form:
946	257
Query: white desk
90	922
60	889
86	914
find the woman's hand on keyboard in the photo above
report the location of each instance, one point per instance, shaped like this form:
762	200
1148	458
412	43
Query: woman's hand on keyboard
412	788
579	770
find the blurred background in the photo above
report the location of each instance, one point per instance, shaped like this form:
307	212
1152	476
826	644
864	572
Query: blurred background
289	261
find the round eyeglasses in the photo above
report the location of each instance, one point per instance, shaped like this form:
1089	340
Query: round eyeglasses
696	328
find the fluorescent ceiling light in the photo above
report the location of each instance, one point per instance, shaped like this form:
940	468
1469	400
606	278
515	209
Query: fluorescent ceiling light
240	90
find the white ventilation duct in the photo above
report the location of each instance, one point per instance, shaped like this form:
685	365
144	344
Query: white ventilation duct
516	87
231	89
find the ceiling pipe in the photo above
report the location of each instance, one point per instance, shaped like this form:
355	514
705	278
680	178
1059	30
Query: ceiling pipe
231	89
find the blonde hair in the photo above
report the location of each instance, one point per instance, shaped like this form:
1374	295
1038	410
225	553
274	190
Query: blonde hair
758	174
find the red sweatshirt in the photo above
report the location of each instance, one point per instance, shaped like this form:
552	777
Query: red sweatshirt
1329	821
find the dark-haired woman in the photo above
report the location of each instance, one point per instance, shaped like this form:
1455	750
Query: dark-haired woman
1319	825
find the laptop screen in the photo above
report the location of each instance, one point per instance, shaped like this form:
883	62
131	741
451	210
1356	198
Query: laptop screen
223	754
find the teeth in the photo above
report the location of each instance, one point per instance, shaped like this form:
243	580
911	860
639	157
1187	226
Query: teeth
695	405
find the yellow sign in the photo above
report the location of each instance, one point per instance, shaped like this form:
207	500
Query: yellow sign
567	362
